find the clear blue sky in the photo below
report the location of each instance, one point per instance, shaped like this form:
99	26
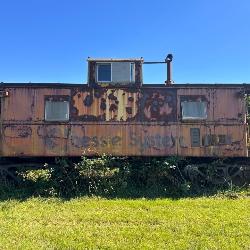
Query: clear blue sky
49	40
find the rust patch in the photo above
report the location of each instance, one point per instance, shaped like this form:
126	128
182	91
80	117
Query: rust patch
112	97
103	104
130	99
113	107
91	70
88	100
158	105
74	111
129	110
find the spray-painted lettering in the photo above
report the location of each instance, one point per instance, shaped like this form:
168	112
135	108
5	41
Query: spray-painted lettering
156	141
96	141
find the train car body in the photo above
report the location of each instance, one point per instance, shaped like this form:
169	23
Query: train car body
122	117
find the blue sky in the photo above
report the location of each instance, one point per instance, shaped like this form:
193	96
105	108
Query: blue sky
50	40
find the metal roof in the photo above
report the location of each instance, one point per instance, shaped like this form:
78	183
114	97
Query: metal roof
115	59
83	85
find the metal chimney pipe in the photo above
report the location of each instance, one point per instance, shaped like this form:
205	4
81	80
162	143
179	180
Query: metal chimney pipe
168	60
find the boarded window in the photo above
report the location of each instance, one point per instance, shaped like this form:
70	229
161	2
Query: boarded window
194	110
104	72
56	111
195	137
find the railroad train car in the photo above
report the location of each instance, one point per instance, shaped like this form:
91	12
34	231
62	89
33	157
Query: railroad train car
115	113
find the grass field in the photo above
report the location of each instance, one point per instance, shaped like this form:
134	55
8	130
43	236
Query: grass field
92	223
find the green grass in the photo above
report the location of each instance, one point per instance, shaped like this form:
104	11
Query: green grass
92	223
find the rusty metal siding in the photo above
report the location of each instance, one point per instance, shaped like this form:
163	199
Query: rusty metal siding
27	104
229	105
158	105
233	145
124	139
144	105
103	105
123	121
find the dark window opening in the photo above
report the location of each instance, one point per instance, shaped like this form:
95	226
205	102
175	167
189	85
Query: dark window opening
104	72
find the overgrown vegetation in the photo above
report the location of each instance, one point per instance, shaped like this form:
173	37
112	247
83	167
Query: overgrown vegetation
109	176
94	221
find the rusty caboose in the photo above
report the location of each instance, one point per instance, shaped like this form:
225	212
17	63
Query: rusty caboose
115	113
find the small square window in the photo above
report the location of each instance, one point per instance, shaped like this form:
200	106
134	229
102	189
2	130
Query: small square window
56	110
192	110
104	72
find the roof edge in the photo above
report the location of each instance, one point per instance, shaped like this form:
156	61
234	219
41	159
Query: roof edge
115	59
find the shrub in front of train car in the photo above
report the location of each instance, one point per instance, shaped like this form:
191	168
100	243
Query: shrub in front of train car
101	175
64	178
104	175
37	181
110	176
155	176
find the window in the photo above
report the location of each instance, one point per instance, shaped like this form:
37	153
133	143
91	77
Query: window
192	110
116	72
104	72
56	110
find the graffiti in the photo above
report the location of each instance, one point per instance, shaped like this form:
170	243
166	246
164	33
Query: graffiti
17	131
216	140
95	141
52	135
156	141
53	132
182	142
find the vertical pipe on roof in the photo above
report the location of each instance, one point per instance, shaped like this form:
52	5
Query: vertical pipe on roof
168	60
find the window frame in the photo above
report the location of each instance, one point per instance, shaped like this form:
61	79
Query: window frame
132	72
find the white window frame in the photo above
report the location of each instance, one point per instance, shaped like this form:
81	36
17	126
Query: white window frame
132	73
98	71
192	117
54	120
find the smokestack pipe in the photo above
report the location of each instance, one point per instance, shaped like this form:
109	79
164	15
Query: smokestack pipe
168	60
